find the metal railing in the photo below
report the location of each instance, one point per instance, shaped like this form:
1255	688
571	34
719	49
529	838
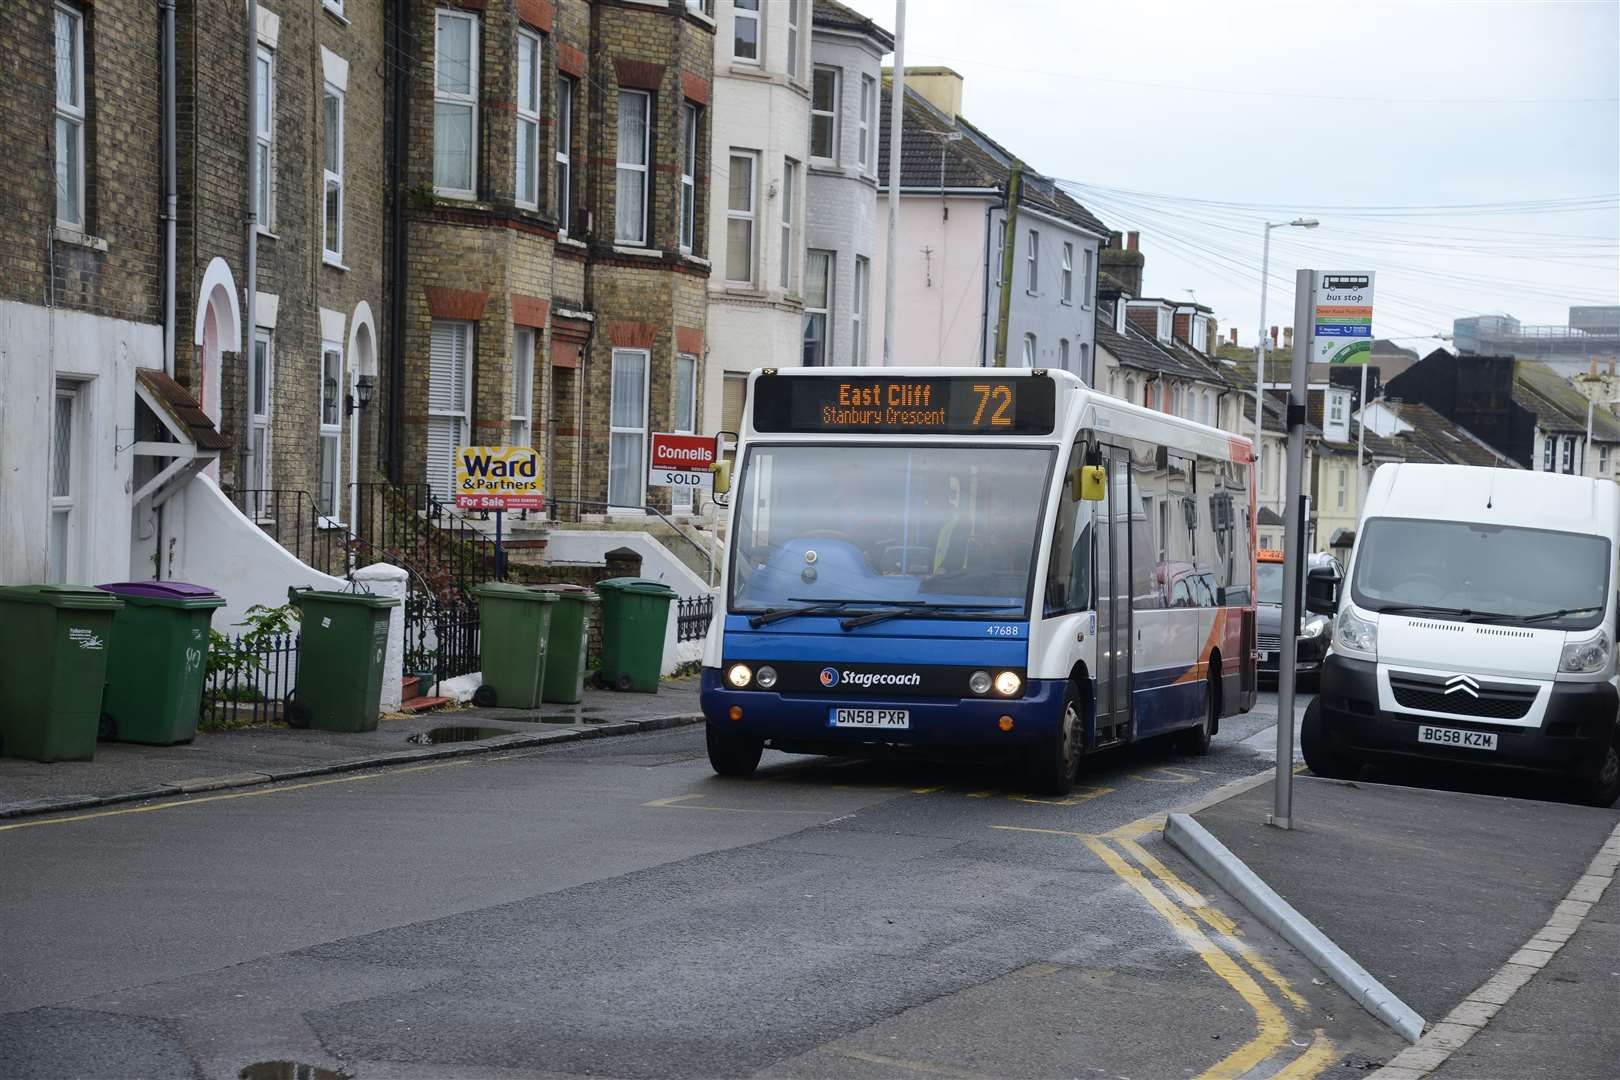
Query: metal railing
408	523
249	681
692	617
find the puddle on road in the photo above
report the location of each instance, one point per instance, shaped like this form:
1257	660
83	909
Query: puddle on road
455	734
290	1070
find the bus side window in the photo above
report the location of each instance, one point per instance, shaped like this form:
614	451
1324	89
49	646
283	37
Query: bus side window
1069	566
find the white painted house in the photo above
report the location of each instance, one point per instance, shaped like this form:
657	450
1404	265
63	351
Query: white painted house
761	142
842	227
954	183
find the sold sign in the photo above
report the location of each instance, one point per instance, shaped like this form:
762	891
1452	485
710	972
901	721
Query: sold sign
682	461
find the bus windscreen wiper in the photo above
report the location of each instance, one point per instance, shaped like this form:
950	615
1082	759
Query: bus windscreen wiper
914	610
814	605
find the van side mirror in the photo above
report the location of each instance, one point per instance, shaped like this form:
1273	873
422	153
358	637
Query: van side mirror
1088	483
1322	590
722	476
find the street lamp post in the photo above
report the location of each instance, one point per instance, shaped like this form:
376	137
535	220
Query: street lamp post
1260	343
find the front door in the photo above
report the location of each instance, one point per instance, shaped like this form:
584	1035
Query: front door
1113	578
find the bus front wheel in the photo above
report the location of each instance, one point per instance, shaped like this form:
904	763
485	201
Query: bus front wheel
732	753
1056	761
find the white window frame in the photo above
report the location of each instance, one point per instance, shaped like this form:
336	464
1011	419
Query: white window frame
860	299
1063	353
868	115
65	567
749	215
1033	258
468	101
830	114
639	471
1162	324
334	6
641	235
790	190
685	372
1001	249
1569	454
824	313
1087	280
1067	277
261	414
742	14
1032	351
527	125
563	176
265	133
520	432
459	417
1549	452
795	39
690	119
332	181
330	433
69	120
1344	485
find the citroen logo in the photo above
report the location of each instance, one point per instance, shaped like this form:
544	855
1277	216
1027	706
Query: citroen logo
1464	684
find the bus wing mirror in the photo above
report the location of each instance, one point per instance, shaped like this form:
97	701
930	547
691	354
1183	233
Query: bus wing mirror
722	476
1088	483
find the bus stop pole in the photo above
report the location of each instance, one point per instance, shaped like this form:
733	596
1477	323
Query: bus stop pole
1282	810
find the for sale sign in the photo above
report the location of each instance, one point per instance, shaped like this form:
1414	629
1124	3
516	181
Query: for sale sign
682	462
498	478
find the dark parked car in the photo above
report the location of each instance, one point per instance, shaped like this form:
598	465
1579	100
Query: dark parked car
1316	631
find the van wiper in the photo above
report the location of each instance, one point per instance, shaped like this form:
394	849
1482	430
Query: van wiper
1543	616
1422	609
814	605
911	611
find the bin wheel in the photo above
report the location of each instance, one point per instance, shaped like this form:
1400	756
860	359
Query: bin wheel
484	696
623	683
107	728
297	712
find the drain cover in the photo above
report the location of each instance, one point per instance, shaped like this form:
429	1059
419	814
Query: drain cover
289	1070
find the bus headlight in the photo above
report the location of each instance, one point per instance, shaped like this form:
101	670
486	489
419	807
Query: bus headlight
1585	656
739	676
979	682
766	676
1008	683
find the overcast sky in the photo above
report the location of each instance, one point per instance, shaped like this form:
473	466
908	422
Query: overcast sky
1268	104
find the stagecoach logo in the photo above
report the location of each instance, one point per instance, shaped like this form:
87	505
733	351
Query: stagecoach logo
866	680
1464	684
829	677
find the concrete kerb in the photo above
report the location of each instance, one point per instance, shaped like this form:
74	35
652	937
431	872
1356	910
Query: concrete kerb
518	740
1232	874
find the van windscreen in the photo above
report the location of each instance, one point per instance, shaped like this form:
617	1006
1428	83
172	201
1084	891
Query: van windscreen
1483	573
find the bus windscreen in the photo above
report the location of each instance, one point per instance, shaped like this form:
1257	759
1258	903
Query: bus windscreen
980	404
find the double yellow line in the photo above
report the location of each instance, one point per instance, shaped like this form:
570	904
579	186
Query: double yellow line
1219	946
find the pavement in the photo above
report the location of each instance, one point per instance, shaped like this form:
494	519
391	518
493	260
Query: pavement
126	772
1433	891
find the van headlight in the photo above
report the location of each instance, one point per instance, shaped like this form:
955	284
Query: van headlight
1353	634
1585	656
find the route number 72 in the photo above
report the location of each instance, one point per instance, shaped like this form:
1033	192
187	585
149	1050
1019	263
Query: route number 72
1002	395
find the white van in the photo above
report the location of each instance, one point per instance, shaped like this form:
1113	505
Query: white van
1476	624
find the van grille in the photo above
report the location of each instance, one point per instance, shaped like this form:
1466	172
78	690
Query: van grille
1495	702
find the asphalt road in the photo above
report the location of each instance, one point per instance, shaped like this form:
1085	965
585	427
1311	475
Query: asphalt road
612	908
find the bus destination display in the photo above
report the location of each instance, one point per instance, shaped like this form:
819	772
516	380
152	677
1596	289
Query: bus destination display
981	404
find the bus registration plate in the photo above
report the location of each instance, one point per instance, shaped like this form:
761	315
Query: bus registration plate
869	718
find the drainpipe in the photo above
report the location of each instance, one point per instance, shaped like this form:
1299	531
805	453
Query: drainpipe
170	197
251	274
397	144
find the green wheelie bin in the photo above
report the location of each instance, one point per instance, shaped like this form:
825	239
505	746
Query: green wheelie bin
565	650
342	644
158	662
53	666
635	613
514	622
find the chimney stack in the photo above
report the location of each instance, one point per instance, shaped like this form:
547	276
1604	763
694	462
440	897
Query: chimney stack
1273	337
939	86
1234	337
1592	367
1114	240
1131	240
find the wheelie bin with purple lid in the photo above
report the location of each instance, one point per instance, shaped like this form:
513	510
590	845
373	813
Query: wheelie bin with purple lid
157	661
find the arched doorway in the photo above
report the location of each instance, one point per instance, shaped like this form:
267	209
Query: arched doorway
218	331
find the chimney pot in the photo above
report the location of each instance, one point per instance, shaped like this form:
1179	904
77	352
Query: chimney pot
1273	337
1611	365
1131	240
1592	368
1288	336
1234	337
1115	240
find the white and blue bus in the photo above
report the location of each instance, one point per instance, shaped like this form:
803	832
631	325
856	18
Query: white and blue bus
996	560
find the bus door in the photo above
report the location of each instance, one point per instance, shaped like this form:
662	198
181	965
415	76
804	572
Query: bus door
1113	592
